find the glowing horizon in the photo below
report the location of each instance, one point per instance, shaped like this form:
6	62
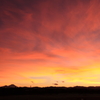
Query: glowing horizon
45	41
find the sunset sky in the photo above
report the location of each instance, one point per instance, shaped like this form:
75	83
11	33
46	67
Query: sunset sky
43	42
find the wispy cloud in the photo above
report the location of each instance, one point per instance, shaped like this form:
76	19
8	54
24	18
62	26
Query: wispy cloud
49	33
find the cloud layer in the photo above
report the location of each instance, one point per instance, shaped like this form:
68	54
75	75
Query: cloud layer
58	36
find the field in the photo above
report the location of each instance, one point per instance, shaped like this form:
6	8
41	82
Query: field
53	97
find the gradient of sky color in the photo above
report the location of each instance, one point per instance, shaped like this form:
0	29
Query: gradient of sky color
44	41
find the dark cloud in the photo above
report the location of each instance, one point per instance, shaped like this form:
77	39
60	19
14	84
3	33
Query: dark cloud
55	83
52	20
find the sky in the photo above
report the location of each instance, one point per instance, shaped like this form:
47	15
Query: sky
43	42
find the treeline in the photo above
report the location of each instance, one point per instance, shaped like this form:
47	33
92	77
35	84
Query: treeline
48	90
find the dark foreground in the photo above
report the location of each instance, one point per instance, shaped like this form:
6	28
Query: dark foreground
50	93
52	97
